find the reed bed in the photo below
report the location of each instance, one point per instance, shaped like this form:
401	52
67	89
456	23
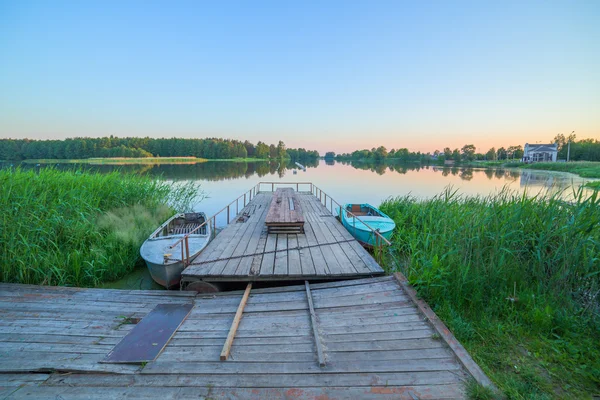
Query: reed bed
76	228
516	278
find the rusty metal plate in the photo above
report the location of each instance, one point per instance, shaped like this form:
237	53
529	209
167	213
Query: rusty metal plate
147	339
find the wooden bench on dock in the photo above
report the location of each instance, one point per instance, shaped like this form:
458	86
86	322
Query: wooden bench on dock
285	213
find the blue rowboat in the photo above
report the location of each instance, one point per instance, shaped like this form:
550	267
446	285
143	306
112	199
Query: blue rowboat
368	218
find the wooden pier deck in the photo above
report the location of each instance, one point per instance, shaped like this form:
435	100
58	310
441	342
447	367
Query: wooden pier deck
376	341
245	251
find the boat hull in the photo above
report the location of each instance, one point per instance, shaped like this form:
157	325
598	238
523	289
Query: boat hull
168	275
361	232
163	253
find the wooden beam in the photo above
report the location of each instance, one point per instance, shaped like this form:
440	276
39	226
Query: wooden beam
235	324
313	320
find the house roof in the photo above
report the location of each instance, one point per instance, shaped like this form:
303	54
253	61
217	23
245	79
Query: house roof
543	147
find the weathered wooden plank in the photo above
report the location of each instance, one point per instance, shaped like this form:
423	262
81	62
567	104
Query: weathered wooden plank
235	324
259	381
147	339
369	392
268	260
19	337
281	257
294	267
360	337
306	262
253	246
258	258
281	329
315	326
22	379
319	263
54	347
314	286
167	367
280	210
66	362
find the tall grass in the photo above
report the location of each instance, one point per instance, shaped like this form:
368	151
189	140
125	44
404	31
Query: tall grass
74	228
508	269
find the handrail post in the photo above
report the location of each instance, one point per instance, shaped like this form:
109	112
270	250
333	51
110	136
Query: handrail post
296	188
187	251
272	187
228	214
182	259
244	199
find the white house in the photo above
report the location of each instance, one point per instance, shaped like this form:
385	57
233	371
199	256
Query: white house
540	152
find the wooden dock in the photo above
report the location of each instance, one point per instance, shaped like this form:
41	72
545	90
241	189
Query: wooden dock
352	339
245	251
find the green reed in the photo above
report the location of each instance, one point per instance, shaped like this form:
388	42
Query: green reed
75	228
509	269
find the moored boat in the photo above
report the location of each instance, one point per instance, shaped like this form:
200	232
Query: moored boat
162	253
361	219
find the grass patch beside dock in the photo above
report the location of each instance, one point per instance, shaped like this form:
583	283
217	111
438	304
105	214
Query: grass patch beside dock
80	229
516	279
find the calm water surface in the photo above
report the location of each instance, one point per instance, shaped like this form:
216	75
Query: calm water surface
370	183
222	182
355	182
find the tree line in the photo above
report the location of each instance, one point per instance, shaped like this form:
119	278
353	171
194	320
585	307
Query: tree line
582	150
210	148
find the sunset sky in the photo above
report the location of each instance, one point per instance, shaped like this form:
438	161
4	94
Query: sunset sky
321	75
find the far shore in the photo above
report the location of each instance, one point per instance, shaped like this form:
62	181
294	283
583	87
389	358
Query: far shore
143	160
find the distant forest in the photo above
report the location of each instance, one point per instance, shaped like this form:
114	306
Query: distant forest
582	150
212	148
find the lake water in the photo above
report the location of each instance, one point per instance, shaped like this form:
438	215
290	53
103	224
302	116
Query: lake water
222	182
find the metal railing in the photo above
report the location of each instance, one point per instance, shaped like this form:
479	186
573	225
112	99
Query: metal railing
259	187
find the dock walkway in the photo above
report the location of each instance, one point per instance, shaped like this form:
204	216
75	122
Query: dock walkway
245	251
376	342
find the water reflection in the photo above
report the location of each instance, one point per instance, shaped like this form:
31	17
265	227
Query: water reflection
351	181
205	171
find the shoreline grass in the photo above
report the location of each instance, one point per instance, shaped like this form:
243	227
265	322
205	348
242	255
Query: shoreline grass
593	185
517	280
120	160
78	229
585	169
143	160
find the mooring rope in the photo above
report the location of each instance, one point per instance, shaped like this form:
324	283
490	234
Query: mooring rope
268	252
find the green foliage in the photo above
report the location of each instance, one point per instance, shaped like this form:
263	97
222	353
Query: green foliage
107	147
594	185
74	228
584	169
516	278
477	392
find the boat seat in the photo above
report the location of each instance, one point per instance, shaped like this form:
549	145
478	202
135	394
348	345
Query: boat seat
184	229
358	214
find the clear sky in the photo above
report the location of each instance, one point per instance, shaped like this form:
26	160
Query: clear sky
320	75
